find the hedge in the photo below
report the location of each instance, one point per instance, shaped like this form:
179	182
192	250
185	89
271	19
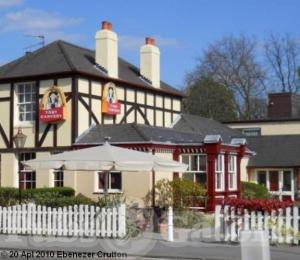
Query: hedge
10	196
252	190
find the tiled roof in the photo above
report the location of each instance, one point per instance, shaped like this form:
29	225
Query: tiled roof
275	151
136	133
205	126
61	56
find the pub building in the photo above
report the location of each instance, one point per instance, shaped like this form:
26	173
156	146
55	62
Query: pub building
64	97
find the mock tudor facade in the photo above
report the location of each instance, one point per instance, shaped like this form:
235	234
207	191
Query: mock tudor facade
59	93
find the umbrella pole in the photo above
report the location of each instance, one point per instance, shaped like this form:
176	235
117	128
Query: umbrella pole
153	189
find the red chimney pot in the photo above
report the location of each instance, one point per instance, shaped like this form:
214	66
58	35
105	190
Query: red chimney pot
106	25
150	40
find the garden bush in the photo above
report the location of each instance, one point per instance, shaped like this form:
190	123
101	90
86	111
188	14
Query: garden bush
10	196
257	204
56	200
252	190
180	193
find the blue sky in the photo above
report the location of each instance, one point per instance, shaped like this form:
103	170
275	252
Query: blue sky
183	29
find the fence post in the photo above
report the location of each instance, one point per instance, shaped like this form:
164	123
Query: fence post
86	220
253	220
288	225
226	220
81	215
19	216
259	220
44	220
49	215
92	221
9	220
273	226
39	220
33	227
246	220
233	229
71	221
65	222
24	226
296	224
59	222
97	219
122	220
114	222
170	224
218	222
14	219
103	221
280	225
108	221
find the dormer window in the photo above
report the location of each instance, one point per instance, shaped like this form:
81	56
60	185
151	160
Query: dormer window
26	102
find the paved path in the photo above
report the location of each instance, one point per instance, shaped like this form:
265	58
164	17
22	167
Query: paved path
147	245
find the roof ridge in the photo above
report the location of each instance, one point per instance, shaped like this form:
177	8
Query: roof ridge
66	56
138	130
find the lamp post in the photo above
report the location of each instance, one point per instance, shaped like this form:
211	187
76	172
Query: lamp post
19	140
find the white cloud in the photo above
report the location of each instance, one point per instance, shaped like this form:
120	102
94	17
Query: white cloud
34	20
9	3
129	42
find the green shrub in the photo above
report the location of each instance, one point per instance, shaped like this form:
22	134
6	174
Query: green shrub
58	201
10	196
180	193
187	193
57	191
110	200
252	190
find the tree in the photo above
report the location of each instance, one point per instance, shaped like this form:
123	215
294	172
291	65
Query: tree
231	62
283	56
209	99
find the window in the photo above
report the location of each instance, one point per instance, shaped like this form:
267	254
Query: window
27	177
111	180
232	172
26	101
262	178
287	181
58	177
196	168
219	177
251	131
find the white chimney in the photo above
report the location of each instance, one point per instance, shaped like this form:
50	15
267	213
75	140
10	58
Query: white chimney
107	49
150	62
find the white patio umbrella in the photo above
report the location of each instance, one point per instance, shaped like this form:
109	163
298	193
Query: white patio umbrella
106	158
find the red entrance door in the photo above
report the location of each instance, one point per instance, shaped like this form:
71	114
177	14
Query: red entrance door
274	180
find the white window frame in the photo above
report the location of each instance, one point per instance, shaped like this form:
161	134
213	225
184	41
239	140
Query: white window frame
57	180
17	120
109	190
280	191
232	172
220	171
198	165
31	156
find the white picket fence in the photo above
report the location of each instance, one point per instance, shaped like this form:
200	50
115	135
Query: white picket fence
72	221
282	225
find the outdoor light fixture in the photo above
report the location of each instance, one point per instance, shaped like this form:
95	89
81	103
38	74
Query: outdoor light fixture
19	140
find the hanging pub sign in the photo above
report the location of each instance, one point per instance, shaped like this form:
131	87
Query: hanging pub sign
110	103
53	106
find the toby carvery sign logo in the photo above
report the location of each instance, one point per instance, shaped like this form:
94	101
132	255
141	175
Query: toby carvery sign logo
110	103
53	106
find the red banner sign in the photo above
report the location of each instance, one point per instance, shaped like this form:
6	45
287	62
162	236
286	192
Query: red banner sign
52	106
110	103
52	115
